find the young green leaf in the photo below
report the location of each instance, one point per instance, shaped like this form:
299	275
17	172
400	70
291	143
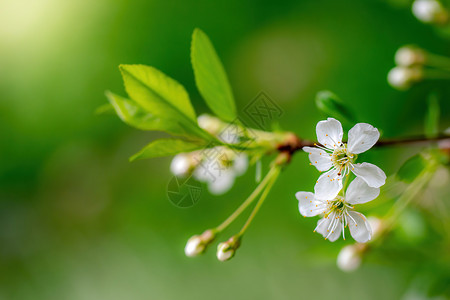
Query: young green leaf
412	168
166	147
133	115
432	116
163	98
210	77
104	109
332	106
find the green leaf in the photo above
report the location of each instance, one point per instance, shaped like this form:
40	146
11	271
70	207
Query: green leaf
104	109
163	98
412	168
133	115
432	116
332	106
210	77
166	147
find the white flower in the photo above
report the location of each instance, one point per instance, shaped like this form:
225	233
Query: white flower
429	11
219	168
338	212
338	158
402	78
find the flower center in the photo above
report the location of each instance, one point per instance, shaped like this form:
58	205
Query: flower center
337	205
342	159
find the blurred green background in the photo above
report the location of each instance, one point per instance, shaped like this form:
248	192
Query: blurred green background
78	221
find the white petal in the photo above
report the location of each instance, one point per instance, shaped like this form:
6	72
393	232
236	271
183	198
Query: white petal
180	165
221	184
328	185
323	224
335	230
308	206
360	192
370	173
362	137
329	133
319	158
240	164
329	228
360	230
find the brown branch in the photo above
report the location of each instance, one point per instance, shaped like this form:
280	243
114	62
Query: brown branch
293	143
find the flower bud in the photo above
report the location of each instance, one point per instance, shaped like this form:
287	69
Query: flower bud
197	244
226	250
183	164
209	123
180	165
349	259
430	11
403	78
408	56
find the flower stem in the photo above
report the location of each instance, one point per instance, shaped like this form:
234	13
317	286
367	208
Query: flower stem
407	196
248	201
260	201
437	61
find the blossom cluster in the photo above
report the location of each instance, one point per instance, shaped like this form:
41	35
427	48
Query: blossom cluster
218	166
330	199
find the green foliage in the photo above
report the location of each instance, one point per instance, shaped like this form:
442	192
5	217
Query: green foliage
133	115
104	109
432	116
210	77
412	168
331	105
163	98
167	147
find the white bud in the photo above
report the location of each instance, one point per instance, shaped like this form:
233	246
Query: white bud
403	78
430	11
226	250
349	259
209	123
197	244
181	164
194	246
407	56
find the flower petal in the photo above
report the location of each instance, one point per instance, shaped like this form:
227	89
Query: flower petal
335	230
359	227
222	183
328	185
330	227
370	173
308	206
362	137
240	164
359	192
329	133
323	224
319	158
